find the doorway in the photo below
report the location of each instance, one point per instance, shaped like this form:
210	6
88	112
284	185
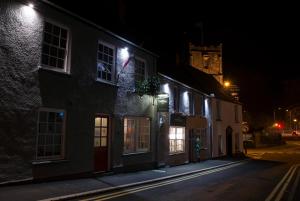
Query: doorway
101	133
229	141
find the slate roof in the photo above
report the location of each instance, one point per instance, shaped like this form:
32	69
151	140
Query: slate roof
198	80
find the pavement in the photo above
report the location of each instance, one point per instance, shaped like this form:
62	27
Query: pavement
71	189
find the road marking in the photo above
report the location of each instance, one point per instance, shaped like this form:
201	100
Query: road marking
288	176
162	183
160	171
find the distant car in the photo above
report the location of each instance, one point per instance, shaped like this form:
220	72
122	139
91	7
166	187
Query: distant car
294	133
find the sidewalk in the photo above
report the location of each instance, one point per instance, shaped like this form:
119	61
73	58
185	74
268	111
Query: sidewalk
46	190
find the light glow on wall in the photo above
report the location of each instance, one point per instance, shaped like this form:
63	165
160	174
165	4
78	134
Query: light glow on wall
28	13
124	53
206	106
186	99
166	88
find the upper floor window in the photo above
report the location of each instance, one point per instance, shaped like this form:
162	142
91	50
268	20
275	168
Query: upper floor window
191	103
176	98
105	62
139	70
55	47
50	136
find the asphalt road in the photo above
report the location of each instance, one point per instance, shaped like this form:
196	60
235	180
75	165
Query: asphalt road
272	174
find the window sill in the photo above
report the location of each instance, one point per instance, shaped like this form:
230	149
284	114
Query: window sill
106	82
49	161
41	68
136	153
177	153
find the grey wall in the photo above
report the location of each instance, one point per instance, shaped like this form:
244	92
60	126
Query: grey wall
24	88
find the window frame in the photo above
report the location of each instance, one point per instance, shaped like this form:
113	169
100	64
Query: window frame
113	67
139	59
136	135
63	135
175	141
67	58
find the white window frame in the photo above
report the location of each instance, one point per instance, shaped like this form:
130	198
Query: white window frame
137	74
62	144
67	57
174	150
113	67
135	138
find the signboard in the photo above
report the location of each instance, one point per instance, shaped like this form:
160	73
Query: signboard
178	119
163	103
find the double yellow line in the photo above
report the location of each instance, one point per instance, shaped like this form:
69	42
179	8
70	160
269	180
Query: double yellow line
280	188
155	185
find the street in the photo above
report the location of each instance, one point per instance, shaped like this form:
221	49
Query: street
251	180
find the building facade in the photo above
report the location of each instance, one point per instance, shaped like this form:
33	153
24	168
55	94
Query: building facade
68	103
184	133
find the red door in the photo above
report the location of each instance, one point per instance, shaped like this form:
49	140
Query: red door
101	143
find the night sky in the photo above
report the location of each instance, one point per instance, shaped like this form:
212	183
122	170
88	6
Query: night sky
260	41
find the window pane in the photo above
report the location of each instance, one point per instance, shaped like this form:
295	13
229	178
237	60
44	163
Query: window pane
43	128
104	122
58	128
97	121
97	131
97	142
103	131
103	142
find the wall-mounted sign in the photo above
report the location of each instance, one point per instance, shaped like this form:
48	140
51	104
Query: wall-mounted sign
178	119
163	103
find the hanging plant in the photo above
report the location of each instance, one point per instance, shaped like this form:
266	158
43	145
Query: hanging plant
149	86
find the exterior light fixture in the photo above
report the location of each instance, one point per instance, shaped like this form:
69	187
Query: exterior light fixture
226	84
124	53
30	5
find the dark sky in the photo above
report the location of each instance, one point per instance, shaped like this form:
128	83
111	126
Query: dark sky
260	41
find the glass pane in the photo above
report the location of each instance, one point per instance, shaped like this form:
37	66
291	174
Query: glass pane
51	128
59	116
103	142
53	51
97	131
40	151
104	122
58	128
97	142
49	139
42	128
48	150
63	33
57	139
43	117
179	131
103	131
41	140
179	136
97	121
57	150
48	27
45	59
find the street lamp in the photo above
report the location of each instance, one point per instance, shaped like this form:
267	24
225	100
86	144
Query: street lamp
295	120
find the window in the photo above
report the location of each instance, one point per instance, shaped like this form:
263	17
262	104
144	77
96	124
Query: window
139	70
176	99
199	105
50	136
101	131
218	108
191	103
54	47
136	134
236	114
176	139
105	62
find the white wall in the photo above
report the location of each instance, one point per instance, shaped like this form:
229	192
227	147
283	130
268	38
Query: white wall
227	118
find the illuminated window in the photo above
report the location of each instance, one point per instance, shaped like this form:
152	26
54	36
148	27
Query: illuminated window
101	131
55	47
50	136
105	62
139	70
176	139
136	134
